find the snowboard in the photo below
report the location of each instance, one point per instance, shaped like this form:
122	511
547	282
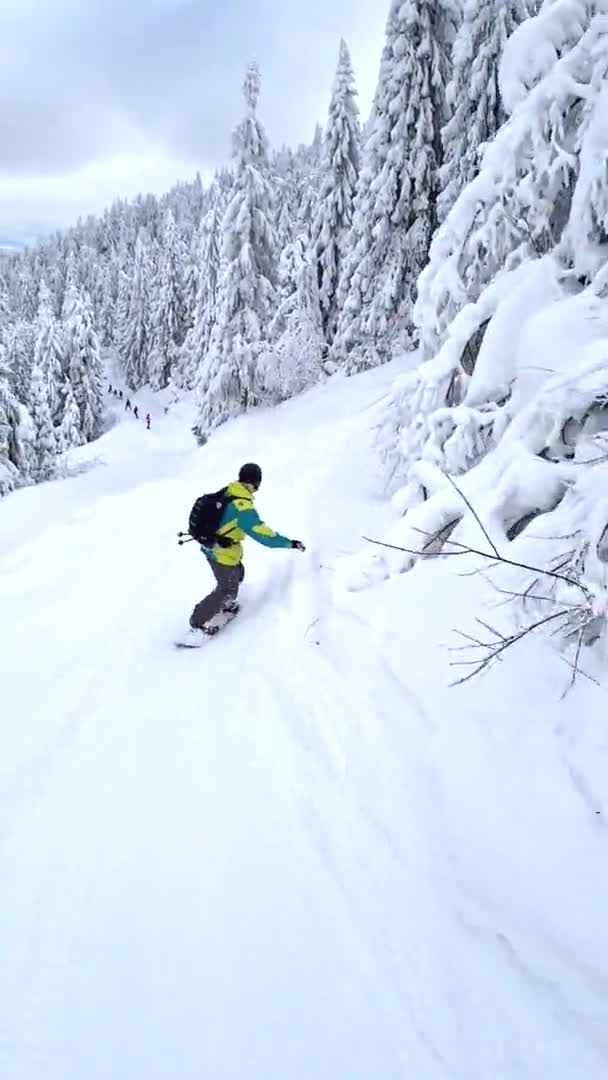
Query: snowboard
216	627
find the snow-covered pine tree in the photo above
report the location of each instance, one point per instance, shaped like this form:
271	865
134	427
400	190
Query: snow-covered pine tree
168	316
85	367
28	294
69	435
537	190
308	163
192	362
315	154
45	442
197	202
17	437
20	341
10	291
396	203
473	94
91	279
191	276
108	312
48	351
183	372
339	175
9	473
120	316
231	380
134	333
57	274
71	288
294	360
5	312
286	195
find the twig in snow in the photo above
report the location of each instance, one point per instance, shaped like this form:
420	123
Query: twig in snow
480	571
497	633
410	551
467	637
576	671
495	649
311	627
526	594
441	535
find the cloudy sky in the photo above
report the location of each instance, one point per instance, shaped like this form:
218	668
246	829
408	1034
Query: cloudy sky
109	97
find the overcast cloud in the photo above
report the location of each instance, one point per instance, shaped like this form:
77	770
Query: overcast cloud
102	98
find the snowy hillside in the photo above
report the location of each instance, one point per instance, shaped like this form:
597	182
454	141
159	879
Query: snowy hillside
297	852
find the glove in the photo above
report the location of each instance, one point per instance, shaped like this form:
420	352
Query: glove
298	545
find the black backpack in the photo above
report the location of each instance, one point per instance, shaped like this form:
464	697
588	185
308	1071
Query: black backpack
205	518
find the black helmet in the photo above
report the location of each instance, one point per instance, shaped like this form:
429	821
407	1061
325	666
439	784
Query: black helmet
251	474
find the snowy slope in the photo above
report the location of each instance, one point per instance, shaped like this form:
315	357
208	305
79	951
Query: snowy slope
297	852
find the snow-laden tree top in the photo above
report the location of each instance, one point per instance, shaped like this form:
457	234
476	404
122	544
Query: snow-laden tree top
542	185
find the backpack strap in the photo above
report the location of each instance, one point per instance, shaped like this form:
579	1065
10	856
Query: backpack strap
225	541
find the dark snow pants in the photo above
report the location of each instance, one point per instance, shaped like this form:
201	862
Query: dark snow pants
224	595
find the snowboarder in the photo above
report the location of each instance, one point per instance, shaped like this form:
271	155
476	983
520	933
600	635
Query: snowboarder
128	405
148	421
240	519
136	413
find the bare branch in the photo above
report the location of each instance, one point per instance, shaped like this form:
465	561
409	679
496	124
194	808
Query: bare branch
497	633
559	562
496	650
575	667
464	549
474	513
578	671
467	637
480	571
517	594
414	551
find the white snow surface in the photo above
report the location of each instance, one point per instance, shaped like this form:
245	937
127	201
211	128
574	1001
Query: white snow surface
296	852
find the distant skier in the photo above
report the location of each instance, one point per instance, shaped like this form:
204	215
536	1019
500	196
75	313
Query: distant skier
225	557
148	421
110	388
136	413
128	406
120	394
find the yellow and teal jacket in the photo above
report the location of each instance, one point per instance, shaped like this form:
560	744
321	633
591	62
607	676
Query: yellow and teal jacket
241	519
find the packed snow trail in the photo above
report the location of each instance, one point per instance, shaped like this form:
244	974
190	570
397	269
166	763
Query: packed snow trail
293	853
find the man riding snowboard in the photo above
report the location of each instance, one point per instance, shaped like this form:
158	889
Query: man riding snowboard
239	519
